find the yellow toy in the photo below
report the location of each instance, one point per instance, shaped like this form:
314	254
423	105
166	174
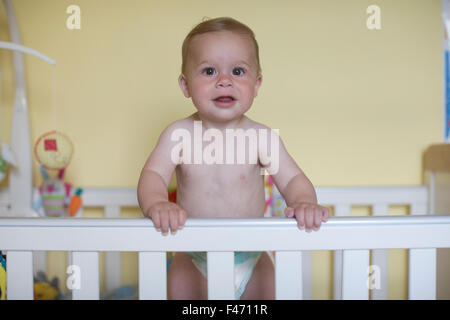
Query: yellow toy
274	200
45	290
53	150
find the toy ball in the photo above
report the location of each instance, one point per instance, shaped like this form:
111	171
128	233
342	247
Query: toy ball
53	150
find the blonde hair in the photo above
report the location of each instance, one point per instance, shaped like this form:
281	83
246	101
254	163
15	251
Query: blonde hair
218	24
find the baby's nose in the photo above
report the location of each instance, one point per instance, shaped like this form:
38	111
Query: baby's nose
224	81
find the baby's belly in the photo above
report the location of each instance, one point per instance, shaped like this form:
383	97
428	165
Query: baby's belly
221	193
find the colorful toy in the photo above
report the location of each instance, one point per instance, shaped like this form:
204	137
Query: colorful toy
2	277
122	293
277	203
45	290
75	202
56	198
6	157
173	194
53	150
268	190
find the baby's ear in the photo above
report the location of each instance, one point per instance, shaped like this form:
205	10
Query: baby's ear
183	85
258	84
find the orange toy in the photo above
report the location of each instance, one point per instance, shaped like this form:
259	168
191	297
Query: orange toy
75	202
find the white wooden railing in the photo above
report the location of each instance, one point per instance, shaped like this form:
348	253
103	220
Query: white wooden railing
220	237
340	198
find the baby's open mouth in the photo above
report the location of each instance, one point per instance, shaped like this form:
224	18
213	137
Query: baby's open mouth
225	99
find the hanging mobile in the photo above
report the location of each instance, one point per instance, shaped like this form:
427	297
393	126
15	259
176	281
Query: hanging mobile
53	151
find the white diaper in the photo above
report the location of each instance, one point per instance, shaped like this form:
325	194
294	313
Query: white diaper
244	263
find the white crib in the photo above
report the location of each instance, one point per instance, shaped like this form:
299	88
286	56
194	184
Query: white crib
351	237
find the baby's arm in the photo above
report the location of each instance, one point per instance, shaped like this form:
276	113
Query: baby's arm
298	192
153	184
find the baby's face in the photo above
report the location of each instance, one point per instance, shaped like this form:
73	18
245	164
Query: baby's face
221	75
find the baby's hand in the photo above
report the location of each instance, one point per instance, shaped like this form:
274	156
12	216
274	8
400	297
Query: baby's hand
165	214
308	214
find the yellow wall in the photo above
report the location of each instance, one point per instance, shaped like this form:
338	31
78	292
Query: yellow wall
353	106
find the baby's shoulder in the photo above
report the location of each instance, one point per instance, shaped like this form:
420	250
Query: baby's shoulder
180	127
251	124
184	123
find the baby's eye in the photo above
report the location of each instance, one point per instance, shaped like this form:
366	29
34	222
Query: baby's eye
209	71
238	71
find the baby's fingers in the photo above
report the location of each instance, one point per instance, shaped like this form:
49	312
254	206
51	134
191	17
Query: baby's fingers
309	219
164	218
317	219
300	217
156	220
173	220
182	215
289	212
325	215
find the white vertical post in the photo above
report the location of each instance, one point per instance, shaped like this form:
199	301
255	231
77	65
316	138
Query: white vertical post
220	271
380	259
40	261
19	275
340	210
152	276
307	274
422	274
88	276
354	275
113	261
288	275
422	265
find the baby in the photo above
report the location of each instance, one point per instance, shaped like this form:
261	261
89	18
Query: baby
221	74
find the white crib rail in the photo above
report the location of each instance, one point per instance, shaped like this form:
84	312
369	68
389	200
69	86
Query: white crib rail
379	198
341	198
219	237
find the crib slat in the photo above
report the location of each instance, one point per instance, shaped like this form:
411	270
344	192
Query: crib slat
40	261
340	210
152	276
220	270
422	274
354	275
113	260
19	275
380	260
288	275
307	274
88	266
422	265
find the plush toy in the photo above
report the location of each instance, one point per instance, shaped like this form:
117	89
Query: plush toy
268	190
6	157
56	198
2	277
277	203
122	293
45	290
173	194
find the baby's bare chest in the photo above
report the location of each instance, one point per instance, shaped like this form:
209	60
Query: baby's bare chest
222	175
221	190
